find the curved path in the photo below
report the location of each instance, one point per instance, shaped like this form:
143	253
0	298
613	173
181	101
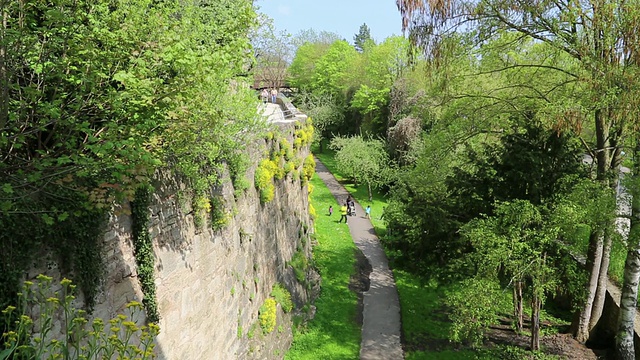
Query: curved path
381	307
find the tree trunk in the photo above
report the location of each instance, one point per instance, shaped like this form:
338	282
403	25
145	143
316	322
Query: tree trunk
625	349
369	189
626	318
596	243
4	75
517	305
535	323
603	279
594	261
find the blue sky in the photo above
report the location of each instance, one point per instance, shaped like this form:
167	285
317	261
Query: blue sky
343	17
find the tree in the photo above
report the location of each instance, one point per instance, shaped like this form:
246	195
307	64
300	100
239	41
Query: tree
629	299
303	67
380	65
326	112
325	38
273	52
601	36
332	70
362	160
516	242
361	38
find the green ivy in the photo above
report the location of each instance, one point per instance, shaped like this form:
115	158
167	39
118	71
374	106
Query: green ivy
144	251
63	225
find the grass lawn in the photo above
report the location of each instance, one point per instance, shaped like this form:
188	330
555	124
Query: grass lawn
333	333
359	193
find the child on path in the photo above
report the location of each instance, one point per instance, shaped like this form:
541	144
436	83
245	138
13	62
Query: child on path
367	212
330	210
343	213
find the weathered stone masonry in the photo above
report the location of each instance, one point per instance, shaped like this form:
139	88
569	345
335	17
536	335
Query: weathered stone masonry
210	285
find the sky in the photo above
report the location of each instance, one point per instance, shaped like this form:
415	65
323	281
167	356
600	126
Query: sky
342	17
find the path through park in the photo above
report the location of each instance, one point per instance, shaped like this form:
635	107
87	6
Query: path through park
381	307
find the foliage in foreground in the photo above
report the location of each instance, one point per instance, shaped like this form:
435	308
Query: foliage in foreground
95	97
333	333
31	336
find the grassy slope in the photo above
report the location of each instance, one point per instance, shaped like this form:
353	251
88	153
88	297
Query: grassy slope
333	333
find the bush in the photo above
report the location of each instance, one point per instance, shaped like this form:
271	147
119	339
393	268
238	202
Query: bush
289	167
267	316
299	263
309	167
474	309
218	213
312	211
264	180
282	297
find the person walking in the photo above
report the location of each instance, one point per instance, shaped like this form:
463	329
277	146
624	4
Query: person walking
274	94
264	95
367	212
343	213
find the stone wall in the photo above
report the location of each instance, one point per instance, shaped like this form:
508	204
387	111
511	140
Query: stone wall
211	284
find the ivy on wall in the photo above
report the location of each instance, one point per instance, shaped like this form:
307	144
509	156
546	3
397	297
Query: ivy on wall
73	236
144	251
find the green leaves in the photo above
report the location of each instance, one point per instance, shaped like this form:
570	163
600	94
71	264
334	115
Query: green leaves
7	188
361	160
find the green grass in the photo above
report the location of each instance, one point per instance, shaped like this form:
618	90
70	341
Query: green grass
333	333
359	193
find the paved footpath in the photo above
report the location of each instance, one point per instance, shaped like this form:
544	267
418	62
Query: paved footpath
381	313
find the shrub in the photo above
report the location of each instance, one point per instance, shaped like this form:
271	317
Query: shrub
218	213
299	263
282	297
309	167
267	316
312	211
473	309
264	180
289	166
297	143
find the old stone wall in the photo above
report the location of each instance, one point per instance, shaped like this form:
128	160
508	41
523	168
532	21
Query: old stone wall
211	284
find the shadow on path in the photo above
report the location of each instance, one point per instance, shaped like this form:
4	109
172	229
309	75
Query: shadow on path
381	306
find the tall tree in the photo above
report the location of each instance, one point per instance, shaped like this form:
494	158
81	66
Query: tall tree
273	52
362	37
363	161
600	35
